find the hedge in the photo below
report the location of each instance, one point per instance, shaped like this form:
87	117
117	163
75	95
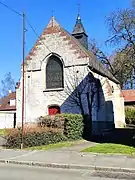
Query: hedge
33	137
70	124
50	129
130	115
73	128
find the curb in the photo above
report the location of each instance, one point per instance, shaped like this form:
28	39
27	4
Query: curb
70	166
110	155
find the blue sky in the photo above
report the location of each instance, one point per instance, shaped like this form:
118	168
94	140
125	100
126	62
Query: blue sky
38	12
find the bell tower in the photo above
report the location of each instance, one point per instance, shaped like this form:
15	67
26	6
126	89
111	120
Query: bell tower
80	33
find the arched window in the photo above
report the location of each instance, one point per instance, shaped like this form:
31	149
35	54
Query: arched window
54	73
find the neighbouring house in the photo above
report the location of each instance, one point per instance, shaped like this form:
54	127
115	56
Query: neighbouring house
129	97
63	76
8	111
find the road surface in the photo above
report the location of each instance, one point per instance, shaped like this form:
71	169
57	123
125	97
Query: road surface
19	172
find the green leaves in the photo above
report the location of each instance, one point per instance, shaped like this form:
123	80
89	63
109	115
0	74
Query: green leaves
73	126
130	115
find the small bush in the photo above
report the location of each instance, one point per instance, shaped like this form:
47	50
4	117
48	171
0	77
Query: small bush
130	116
52	121
33	137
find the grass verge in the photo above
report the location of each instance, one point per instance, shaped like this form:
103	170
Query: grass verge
55	146
111	149
2	132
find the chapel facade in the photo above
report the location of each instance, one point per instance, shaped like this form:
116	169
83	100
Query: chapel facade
63	76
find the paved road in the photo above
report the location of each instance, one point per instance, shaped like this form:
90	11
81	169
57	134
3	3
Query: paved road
19	172
68	157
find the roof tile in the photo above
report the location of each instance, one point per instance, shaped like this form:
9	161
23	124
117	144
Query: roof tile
129	95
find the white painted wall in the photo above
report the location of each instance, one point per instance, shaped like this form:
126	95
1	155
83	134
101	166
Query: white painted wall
6	119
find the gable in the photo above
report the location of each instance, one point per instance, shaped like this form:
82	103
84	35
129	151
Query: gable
55	39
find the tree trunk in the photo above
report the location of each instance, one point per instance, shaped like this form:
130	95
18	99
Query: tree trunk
88	119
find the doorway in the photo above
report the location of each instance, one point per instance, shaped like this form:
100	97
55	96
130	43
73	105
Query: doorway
52	110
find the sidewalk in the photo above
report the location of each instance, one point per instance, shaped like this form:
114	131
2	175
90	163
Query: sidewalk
65	158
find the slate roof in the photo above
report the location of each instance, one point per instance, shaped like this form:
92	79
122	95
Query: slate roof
78	28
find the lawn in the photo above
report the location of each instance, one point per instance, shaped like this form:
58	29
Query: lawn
55	146
111	149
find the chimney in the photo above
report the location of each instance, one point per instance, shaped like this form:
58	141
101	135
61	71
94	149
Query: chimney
9	91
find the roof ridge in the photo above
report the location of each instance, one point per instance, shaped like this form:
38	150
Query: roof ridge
52	22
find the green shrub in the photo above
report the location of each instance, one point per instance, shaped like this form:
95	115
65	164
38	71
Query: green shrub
33	137
130	115
73	128
70	124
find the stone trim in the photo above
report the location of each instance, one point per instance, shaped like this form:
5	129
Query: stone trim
33	70
76	65
55	89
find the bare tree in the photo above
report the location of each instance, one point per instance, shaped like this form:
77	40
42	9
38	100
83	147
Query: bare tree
119	64
101	56
133	3
122	27
7	84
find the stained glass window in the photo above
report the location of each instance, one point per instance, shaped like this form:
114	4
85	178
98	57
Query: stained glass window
54	73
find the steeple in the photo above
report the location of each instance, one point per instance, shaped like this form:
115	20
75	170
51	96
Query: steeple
80	33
